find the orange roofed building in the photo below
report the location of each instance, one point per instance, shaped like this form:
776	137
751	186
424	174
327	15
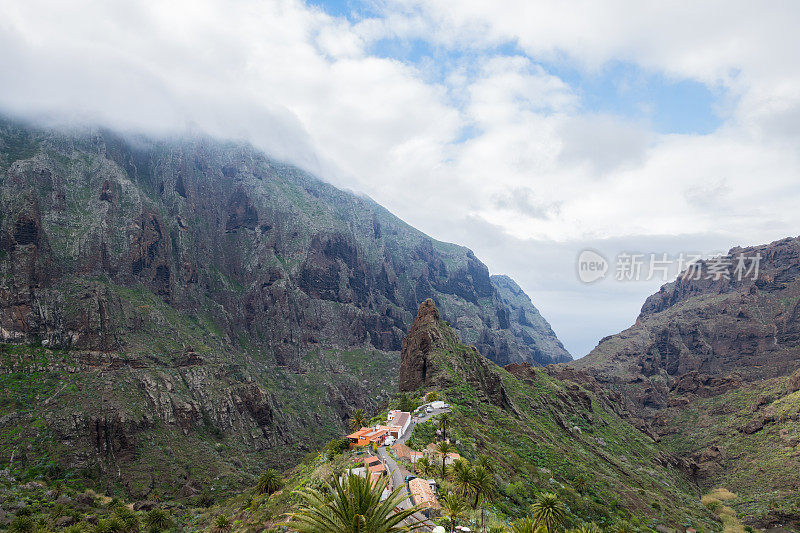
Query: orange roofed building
422	493
404	452
367	436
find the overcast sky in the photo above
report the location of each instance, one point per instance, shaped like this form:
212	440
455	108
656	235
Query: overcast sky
526	130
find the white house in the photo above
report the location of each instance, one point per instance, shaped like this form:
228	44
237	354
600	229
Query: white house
400	419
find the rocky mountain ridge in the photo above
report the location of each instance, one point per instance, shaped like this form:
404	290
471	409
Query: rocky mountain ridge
711	367
287	260
174	313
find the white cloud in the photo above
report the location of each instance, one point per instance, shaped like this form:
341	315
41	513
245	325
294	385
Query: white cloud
538	169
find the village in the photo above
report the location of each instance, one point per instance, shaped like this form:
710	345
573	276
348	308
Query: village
387	454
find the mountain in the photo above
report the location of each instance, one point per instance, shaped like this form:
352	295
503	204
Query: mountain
522	433
552	428
528	324
711	365
193	300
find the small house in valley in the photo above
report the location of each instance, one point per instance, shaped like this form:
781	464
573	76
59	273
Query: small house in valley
422	493
433	454
404	452
399	419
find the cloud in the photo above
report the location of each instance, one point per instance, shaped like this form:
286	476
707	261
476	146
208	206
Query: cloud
480	134
523	201
602	141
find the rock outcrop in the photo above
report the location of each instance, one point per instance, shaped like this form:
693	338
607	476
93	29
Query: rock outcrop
433	357
417	365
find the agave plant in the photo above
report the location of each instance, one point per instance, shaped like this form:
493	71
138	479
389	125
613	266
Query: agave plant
128	519
157	520
352	505
523	525
221	524
623	526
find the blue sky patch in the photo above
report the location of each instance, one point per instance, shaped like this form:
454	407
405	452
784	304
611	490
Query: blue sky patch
626	90
619	88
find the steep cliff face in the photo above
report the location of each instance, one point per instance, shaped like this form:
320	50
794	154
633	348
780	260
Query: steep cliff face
432	356
711	364
706	334
277	256
527	323
194	300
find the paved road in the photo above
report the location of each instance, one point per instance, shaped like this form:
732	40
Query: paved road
398	473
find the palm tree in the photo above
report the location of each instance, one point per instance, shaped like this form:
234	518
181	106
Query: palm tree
482	486
444	422
424	467
351	505
269	483
580	484
461	474
444	449
358	420
453	508
548	511
486	462
523	525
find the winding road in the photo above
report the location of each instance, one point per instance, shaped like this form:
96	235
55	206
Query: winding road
398	472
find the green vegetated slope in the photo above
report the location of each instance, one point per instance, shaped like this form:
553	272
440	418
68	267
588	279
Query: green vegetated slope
181	413
746	440
712	369
545	433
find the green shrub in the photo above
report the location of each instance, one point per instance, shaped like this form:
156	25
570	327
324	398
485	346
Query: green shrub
157	520
22	524
128	518
336	447
713	506
222	523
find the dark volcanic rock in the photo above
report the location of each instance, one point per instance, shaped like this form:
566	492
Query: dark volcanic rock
287	257
417	366
433	357
705	336
525	321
